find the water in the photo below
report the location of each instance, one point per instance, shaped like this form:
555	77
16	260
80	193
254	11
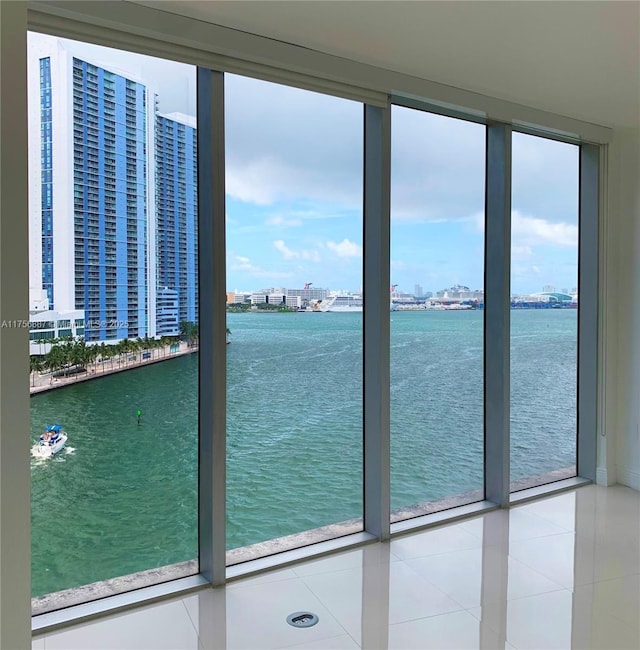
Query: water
123	497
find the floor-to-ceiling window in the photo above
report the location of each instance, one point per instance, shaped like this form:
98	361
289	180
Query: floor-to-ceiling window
114	273
113	320
294	315
437	312
544	310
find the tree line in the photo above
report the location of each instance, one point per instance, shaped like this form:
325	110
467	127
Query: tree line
73	356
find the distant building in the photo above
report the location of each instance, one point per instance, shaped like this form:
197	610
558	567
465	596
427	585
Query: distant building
176	201
46	325
550	296
294	298
113	198
310	294
167	312
235	297
89	214
38	300
460	293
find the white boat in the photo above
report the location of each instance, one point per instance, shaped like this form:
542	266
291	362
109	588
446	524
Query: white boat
50	442
351	302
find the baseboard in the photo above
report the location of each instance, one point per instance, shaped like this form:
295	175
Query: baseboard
629	477
604	477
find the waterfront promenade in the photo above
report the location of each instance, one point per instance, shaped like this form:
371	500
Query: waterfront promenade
42	382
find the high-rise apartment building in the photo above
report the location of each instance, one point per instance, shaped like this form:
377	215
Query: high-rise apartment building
176	219
110	225
110	144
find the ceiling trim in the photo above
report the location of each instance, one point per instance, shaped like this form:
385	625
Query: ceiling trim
159	33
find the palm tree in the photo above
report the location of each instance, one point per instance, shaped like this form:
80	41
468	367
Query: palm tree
189	331
112	351
67	350
155	346
124	348
77	355
141	344
103	354
91	354
35	366
54	360
165	341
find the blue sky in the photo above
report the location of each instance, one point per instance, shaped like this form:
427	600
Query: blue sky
294	189
294	196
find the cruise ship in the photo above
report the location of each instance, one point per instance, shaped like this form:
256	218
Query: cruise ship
342	302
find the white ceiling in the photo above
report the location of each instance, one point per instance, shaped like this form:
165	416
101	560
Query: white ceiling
574	58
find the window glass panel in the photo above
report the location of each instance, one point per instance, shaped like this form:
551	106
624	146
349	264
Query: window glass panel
294	276
437	312
113	286
544	301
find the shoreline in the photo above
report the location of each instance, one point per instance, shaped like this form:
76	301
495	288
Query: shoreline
44	382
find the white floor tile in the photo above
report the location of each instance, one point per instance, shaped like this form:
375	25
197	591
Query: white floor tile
619	598
262	578
605	633
526	525
370	554
434	541
471	577
559	510
394	592
475	526
537	622
552	556
37	644
521	524
456	631
254	616
165	626
617	557
344	642
562	572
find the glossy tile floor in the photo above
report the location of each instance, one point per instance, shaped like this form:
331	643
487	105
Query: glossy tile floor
561	572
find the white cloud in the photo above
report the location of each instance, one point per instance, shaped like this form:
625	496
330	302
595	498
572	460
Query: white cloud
250	183
527	232
279	220
287	252
521	252
531	231
286	144
345	248
244	264
290	254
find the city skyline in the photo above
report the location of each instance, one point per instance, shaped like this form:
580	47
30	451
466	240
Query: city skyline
395	290
294	196
113	221
294	188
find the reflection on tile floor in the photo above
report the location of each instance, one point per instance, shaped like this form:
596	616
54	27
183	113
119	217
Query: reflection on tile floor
562	572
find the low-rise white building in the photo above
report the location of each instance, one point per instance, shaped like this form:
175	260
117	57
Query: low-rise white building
49	325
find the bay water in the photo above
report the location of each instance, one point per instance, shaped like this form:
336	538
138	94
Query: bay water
123	496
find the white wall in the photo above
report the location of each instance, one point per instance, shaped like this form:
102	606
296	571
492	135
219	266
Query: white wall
619	457
15	476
